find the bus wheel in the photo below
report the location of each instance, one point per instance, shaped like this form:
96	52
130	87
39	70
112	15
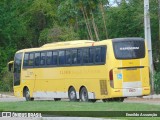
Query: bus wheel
57	99
84	95
27	95
72	94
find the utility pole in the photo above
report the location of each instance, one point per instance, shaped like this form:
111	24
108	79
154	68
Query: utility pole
147	30
159	17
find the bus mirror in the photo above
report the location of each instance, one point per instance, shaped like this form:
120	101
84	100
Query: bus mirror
10	66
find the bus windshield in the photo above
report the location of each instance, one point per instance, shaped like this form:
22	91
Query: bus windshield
129	48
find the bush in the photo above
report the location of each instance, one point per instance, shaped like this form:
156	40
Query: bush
157	82
6	83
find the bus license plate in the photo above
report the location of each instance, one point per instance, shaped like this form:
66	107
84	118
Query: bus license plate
132	90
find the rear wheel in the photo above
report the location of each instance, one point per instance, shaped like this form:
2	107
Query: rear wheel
84	95
72	94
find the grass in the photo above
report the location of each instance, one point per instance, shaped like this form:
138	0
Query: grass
65	108
75	106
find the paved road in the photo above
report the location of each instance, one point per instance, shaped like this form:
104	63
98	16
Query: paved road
152	99
155	101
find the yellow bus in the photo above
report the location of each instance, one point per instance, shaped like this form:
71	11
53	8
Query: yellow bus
84	70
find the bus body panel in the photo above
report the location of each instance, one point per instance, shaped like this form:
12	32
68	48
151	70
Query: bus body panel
130	76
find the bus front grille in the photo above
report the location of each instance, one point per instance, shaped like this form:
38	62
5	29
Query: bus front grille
103	87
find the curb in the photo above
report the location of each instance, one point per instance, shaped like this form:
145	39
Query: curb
154	96
6	96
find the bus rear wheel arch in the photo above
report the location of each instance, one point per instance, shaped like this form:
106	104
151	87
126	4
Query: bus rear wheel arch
72	94
26	94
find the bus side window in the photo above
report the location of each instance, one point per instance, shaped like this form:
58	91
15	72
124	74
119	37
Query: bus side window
79	56
43	58
37	59
74	56
31	59
103	54
85	55
61	57
98	54
91	55
68	57
55	58
49	58
25	61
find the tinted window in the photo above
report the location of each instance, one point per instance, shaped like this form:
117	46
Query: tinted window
91	55
49	58
79	56
31	59
132	49
55	58
68	56
43	56
103	54
17	68
86	55
26	58
37	59
74	56
98	54
61	57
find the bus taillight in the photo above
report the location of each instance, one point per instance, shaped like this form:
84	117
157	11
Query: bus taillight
111	78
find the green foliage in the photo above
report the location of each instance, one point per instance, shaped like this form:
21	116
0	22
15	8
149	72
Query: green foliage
7	81
32	23
56	34
157	82
125	21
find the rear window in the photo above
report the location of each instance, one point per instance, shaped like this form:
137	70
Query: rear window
129	48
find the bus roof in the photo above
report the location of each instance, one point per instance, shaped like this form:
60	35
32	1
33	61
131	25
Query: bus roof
66	44
75	42
58	44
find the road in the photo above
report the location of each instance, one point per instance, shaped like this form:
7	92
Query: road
156	101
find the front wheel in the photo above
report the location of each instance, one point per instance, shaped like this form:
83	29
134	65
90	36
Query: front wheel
84	95
27	95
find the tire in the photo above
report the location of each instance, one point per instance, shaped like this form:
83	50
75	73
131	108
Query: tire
84	95
27	95
72	94
57	99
